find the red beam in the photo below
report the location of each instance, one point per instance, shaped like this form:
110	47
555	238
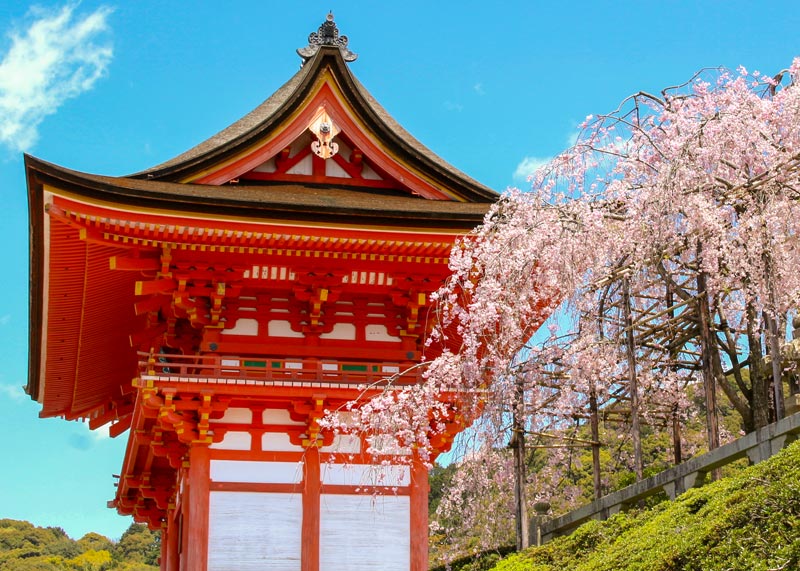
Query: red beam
149	287
150	304
133	264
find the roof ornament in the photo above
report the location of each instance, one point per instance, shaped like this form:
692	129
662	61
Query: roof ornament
325	130
327	35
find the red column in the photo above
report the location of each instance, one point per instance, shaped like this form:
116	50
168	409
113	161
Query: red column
183	517
419	515
163	558
196	517
309	556
170	541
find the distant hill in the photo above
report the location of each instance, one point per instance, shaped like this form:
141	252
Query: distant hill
748	522
26	547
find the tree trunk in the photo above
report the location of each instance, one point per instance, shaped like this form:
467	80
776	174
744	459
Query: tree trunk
771	318
777	367
759	383
632	378
676	436
676	423
707	346
595	426
520	472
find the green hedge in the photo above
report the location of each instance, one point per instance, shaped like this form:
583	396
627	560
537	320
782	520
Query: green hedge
747	522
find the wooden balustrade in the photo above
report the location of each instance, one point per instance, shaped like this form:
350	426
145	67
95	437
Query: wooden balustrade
274	370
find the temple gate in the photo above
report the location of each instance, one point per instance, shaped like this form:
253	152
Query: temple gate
216	305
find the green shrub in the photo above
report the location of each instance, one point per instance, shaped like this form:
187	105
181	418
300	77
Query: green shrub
748	522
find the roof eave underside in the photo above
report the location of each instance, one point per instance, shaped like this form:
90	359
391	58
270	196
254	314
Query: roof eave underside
290	202
282	104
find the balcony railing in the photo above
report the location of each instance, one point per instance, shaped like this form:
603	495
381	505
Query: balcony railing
266	371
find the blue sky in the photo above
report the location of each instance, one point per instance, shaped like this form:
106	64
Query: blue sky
494	88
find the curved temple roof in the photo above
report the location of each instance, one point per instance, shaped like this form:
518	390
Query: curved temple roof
293	95
259	176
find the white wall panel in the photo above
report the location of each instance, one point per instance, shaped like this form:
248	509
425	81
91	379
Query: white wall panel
345	331
344	444
386	444
378	332
237	415
256	472
302	167
278	416
250	531
243	326
278	442
365	475
233	441
282	328
364	533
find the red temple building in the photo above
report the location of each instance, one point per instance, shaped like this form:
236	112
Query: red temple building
215	306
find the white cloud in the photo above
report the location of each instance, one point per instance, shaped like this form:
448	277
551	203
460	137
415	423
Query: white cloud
5	319
14	393
55	58
572	138
528	166
478	87
99	433
450	106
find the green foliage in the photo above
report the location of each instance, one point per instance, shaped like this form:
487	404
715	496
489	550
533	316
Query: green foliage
92	560
138	544
95	541
26	547
749	521
484	561
439	479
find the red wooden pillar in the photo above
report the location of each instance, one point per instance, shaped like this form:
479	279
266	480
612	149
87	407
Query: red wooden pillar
309	556
170	542
184	528
163	558
196	517
419	515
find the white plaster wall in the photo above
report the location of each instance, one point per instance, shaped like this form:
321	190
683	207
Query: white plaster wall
282	328
243	326
278	416
378	332
365	475
364	533
233	441
278	442
303	167
344	444
237	416
345	331
251	531
251	471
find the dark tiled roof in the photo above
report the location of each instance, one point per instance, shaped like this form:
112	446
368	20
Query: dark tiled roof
284	101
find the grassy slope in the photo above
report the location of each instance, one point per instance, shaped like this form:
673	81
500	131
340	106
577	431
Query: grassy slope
750	521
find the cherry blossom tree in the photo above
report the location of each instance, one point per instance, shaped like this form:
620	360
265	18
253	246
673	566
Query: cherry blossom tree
666	241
